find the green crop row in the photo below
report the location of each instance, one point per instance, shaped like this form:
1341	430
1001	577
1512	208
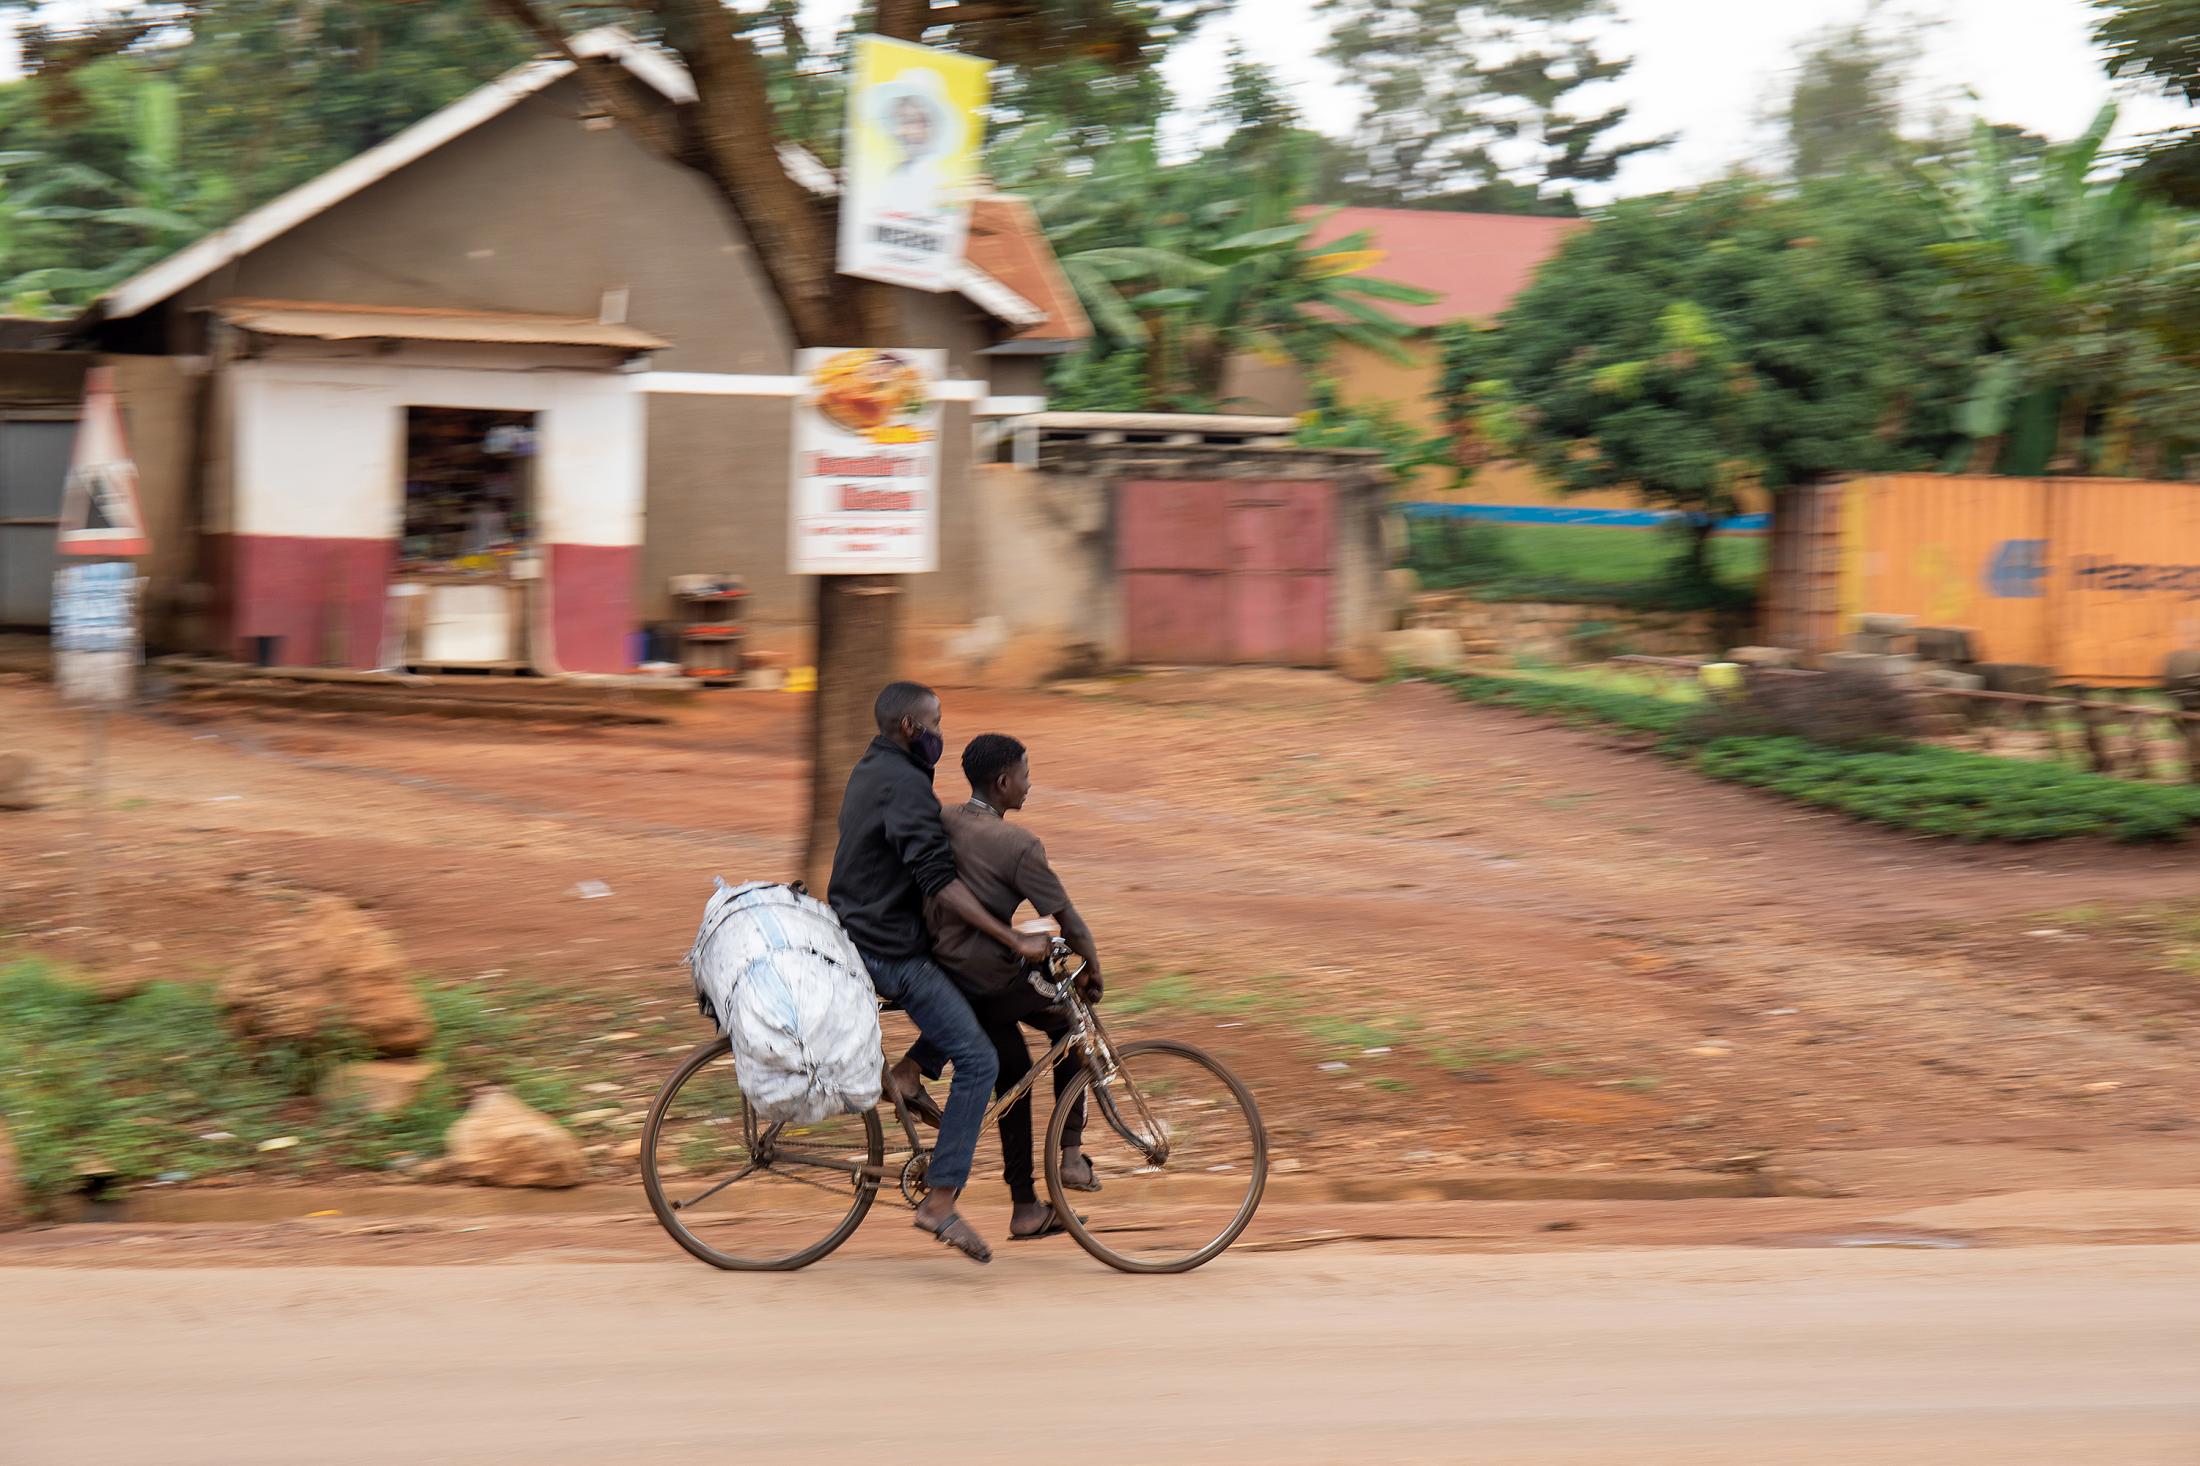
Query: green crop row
1925	790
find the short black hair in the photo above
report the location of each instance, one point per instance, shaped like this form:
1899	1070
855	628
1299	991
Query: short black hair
899	700
988	757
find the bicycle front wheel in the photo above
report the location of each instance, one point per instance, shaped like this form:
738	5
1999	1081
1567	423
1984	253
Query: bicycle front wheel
746	1195
1179	1153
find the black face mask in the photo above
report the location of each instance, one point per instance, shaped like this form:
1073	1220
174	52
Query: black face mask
926	746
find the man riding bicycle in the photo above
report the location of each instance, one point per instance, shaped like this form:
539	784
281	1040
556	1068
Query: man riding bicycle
892	858
1005	866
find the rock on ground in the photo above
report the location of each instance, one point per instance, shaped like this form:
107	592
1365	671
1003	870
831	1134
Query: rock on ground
380	1086
1426	649
501	1142
11	1194
18	782
330	966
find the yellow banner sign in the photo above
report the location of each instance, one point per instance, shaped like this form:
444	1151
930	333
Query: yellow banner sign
916	134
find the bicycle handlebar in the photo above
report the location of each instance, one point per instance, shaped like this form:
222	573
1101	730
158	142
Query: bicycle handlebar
1057	979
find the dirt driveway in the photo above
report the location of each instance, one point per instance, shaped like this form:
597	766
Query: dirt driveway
1432	935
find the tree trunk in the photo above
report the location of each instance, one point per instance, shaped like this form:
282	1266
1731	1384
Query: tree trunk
730	136
858	632
2069	454
1697	565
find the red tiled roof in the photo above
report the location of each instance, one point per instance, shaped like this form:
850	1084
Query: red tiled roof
1477	263
1007	243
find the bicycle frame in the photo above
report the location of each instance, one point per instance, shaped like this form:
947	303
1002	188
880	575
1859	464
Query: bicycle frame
1086	1033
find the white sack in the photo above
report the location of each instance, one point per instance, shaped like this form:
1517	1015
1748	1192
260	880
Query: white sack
779	977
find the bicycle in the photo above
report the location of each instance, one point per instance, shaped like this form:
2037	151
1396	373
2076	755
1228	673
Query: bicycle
1179	1155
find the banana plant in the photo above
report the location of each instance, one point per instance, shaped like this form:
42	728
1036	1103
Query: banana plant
2063	266
1192	280
126	222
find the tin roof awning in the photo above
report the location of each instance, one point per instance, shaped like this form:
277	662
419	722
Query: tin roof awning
315	321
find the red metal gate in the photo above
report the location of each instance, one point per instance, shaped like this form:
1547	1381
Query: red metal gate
1219	572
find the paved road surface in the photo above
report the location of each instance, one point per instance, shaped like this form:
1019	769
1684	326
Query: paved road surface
2039	1355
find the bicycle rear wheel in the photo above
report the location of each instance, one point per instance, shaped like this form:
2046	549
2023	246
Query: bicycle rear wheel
744	1195
1177	1146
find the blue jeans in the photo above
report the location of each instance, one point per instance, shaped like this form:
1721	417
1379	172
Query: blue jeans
943	1017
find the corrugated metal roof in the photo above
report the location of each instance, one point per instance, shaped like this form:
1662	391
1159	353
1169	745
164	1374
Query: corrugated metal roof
312	320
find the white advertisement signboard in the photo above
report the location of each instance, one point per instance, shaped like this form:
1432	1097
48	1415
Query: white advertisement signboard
95	638
916	132
866	463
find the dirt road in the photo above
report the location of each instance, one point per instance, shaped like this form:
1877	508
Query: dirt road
2042	1355
1432	936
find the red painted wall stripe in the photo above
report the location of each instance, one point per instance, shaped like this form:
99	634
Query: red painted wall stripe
323	597
592	606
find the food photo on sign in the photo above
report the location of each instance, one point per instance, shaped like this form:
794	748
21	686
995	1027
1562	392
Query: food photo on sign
867	462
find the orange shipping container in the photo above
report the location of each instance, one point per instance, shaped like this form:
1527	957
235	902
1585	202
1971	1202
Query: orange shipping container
2097	578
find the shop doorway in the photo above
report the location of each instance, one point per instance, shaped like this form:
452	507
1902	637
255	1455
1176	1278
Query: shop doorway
468	564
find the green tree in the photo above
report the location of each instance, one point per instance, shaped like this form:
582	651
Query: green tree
162	121
1472	103
1847	108
123	222
1688	347
277	91
2159	40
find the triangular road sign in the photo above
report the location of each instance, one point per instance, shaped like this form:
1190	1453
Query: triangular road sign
99	504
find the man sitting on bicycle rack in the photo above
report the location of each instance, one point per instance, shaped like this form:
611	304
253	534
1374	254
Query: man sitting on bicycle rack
1004	866
893	857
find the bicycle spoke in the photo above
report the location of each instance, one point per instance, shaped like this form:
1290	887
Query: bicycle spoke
1179	1154
746	1170
843	1189
742	1218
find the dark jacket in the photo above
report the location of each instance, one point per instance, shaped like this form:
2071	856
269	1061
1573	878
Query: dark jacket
893	853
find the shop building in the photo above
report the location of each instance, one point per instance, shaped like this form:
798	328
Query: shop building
476	397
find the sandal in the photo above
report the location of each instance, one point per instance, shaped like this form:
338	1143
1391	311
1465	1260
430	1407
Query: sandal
1055	1227
956	1233
1089	1182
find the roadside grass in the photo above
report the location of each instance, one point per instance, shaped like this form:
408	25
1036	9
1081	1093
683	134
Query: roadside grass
156	1086
1925	790
1576	563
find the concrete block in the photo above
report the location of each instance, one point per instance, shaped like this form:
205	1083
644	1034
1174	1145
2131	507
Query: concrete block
1875	624
1943	679
1954	645
2016	677
1897	668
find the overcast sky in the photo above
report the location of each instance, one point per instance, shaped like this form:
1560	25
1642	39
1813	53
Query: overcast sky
1708	69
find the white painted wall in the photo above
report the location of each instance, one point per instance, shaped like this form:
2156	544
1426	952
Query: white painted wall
319	446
